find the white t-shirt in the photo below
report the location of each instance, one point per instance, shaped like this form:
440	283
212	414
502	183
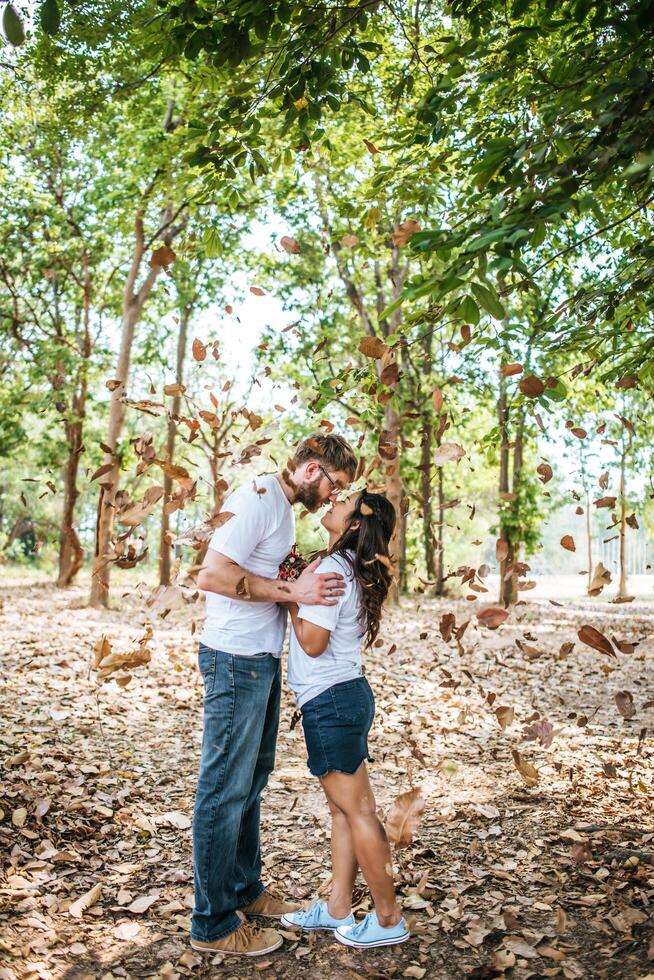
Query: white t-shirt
341	661
258	538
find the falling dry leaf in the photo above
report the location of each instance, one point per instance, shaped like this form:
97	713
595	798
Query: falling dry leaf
446	626
508	370
625	704
289	245
404	817
390	374
543	731
162	257
404	231
567	542
199	350
526	770
437	400
501	550
492	617
103	470
601	577
593	638
505	716
448	452
531	386
372	347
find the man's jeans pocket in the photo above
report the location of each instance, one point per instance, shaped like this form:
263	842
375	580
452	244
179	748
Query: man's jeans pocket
207	666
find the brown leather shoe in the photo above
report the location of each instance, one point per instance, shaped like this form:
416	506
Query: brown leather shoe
247	940
270	905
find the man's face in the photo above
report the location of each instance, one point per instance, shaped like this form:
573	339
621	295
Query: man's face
320	485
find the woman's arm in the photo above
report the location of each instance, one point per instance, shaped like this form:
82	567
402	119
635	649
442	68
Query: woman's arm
313	639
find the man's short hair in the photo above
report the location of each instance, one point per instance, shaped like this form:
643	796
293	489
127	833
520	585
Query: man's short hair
331	450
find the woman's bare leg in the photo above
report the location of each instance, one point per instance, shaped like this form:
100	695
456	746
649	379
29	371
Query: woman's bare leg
352	794
344	865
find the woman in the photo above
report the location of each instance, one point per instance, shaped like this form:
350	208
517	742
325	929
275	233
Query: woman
337	706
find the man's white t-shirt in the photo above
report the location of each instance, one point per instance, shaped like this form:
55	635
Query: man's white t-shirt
258	538
341	661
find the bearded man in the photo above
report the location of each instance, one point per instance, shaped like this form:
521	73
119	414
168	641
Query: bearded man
239	658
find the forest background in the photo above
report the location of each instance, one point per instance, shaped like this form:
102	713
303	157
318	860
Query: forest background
224	225
425	225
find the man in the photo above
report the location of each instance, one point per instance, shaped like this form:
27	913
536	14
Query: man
240	650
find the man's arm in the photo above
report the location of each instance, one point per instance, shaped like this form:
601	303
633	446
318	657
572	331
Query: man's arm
223	576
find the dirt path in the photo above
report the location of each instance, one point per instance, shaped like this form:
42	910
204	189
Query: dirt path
502	877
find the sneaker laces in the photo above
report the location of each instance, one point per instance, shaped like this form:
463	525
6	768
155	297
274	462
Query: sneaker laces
311	915
357	930
249	931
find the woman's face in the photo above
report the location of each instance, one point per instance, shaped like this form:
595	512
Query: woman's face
337	518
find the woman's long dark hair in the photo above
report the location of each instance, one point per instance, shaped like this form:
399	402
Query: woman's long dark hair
368	534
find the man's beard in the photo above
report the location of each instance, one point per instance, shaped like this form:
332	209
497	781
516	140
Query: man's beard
309	496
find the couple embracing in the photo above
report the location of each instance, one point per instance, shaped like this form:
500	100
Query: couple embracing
335	607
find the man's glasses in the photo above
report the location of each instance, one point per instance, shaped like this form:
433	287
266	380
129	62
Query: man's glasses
335	487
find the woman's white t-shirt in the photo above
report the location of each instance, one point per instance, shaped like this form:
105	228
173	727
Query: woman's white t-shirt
341	661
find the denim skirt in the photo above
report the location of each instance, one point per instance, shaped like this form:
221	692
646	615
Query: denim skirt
336	725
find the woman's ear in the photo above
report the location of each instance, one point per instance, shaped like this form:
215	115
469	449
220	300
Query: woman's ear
354	526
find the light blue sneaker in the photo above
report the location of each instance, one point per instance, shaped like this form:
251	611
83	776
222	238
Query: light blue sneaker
368	932
316	917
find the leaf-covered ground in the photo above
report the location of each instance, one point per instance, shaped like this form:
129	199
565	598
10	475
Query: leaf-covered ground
503	878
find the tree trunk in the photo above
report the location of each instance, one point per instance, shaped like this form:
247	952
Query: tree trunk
426	466
395	494
21	524
589	540
507	587
440	484
426	494
109	486
164	547
440	558
518	455
133	303
622	588
71	553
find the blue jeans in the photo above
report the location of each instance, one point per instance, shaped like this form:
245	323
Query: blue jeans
241	717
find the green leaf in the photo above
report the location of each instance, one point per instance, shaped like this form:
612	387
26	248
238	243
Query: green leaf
12	25
489	300
469	311
50	17
212	242
391	307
